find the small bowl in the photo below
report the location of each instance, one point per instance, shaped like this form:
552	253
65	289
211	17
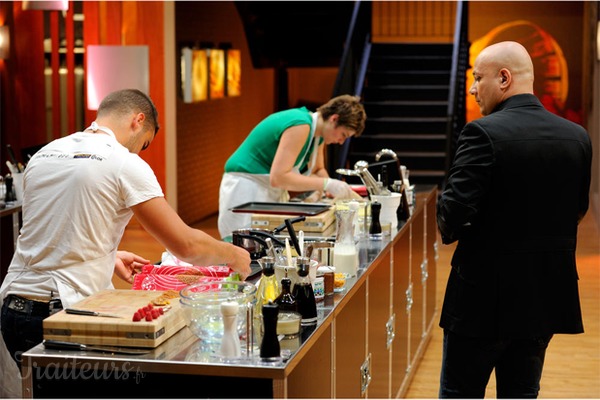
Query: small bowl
288	323
201	303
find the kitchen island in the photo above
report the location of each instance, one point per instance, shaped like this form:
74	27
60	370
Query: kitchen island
367	343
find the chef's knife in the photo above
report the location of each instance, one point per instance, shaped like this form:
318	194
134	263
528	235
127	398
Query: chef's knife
90	313
60	345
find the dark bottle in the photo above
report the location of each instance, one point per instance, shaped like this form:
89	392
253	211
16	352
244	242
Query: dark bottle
269	347
403	211
375	228
304	294
286	300
384	177
10	189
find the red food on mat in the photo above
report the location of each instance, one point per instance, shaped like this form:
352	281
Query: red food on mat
212	270
164	282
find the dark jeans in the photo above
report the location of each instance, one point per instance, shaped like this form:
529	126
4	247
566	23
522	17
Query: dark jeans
22	330
467	365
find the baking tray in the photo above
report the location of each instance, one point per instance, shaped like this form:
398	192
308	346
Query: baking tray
281	208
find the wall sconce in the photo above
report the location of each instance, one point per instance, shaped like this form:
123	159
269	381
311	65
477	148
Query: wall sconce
598	41
4	42
234	72
113	68
209	73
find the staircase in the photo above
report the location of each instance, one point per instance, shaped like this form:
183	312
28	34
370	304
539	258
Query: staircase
406	100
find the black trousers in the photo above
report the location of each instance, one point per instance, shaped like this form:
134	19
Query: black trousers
467	365
22	323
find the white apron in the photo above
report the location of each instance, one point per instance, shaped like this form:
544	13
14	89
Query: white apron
238	188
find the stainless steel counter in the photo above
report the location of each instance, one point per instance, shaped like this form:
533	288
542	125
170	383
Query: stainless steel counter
184	362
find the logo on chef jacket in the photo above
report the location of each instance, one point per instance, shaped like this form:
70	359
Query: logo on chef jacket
90	156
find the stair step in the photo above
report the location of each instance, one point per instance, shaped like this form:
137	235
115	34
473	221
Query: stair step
411	48
404	136
387	77
409	119
422	173
404	125
406	92
410	108
424	63
416	161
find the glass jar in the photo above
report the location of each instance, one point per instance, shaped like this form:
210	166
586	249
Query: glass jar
345	254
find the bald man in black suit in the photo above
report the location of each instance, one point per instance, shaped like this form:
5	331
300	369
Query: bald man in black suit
517	189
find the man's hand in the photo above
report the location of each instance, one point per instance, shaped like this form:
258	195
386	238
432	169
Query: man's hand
239	261
127	264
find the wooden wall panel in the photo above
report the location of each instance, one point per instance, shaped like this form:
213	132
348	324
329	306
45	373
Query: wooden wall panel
24	108
413	21
133	23
142	24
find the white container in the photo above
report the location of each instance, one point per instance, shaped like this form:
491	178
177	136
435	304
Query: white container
292	272
389	206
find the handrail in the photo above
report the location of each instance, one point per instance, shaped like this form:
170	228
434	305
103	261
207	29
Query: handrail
347	46
456	95
358	88
353	69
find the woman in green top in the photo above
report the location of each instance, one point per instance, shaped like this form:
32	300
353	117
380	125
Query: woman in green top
268	163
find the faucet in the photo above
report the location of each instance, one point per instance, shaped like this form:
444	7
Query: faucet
361	170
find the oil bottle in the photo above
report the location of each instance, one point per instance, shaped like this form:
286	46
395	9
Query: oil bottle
304	294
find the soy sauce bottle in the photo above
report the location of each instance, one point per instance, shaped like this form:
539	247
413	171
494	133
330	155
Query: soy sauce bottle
286	300
304	294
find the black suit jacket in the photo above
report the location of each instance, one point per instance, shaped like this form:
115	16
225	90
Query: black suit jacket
514	196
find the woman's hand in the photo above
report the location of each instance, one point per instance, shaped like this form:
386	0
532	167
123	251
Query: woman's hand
127	264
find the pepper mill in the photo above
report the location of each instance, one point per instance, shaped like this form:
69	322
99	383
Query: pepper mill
375	228
304	293
230	343
269	347
10	189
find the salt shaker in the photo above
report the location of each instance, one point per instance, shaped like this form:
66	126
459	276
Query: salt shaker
230	343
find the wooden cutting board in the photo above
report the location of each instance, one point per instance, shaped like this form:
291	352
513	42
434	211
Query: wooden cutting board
116	331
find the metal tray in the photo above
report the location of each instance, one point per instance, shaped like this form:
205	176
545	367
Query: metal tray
281	208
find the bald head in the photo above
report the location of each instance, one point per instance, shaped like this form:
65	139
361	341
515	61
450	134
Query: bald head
500	71
513	57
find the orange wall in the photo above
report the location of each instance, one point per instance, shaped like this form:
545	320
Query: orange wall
563	21
133	23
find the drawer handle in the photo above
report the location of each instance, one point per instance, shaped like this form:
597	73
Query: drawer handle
365	375
390	328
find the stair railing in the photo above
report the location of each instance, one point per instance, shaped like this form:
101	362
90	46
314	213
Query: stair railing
352	70
457	89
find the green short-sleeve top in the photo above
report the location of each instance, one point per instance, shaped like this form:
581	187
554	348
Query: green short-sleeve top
256	153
